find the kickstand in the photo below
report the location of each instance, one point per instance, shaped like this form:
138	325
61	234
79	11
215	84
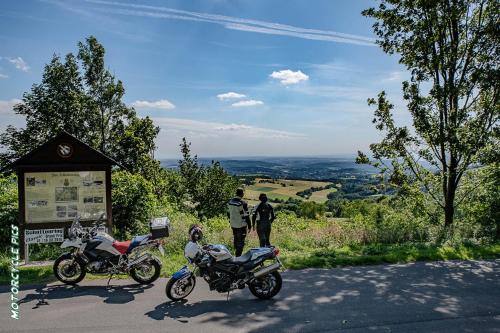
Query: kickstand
109	280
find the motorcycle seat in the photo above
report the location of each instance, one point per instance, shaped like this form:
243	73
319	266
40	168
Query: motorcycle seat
249	254
121	246
137	240
243	258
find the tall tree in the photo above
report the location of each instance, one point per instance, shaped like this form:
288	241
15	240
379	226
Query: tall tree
205	189
451	48
83	98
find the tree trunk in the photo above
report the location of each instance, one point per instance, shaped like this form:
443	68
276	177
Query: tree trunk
449	203
449	211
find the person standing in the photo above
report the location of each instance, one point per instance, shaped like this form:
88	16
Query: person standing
240	220
264	216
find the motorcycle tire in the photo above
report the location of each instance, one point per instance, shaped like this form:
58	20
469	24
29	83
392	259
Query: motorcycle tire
275	290
170	286
156	265
62	278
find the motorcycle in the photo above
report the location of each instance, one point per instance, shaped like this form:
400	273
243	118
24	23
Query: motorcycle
224	273
94	251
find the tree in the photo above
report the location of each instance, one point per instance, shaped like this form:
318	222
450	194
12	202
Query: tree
216	189
451	49
311	209
79	95
205	189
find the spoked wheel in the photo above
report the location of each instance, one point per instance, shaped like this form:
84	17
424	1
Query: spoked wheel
146	272
267	286
178	289
68	270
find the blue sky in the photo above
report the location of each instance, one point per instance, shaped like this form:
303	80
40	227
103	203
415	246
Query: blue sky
236	78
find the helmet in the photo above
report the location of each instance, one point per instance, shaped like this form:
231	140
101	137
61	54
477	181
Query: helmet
195	233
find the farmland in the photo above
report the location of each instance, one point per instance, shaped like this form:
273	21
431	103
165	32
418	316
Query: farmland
285	188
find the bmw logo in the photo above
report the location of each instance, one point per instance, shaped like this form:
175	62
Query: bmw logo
64	150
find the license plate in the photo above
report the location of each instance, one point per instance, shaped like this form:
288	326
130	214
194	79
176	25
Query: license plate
162	251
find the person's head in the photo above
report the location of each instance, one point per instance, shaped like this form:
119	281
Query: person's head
263	197
240	193
195	233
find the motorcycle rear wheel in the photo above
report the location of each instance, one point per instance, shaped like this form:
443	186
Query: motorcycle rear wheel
67	270
142	274
178	289
267	286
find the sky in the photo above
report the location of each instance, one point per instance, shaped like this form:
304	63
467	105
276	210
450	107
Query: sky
235	77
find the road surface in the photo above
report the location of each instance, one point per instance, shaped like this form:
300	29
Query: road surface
448	296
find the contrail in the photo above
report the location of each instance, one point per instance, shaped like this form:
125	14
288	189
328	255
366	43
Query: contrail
233	23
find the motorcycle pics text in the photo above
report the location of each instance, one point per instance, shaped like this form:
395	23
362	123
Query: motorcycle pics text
14	272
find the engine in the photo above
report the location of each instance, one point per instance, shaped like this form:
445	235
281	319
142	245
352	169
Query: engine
99	266
96	266
219	281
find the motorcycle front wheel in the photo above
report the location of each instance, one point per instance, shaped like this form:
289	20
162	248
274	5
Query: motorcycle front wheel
178	289
267	286
68	270
146	272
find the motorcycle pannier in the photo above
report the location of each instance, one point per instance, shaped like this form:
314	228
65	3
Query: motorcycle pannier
160	227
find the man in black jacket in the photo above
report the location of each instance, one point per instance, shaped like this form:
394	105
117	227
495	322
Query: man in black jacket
264	216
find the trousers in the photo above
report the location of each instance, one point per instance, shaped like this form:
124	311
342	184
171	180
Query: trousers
264	232
239	235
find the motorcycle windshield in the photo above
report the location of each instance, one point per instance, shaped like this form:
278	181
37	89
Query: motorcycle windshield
74	228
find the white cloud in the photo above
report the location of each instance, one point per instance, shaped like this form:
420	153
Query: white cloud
3	76
230	95
288	76
232	23
19	63
394	76
7	106
250	102
161	104
216	129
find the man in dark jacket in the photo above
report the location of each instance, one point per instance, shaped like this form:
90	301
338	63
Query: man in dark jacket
264	216
240	220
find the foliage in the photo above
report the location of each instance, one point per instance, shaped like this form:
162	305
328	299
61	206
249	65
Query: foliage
81	96
204	190
8	208
134	204
311	209
451	50
479	215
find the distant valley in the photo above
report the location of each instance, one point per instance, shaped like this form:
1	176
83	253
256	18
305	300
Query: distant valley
310	174
309	168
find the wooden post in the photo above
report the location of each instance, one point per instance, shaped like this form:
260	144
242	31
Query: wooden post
26	254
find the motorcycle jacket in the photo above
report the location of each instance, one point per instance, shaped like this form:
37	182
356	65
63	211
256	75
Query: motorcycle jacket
238	213
263	212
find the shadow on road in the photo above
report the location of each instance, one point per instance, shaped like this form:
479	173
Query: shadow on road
111	295
351	298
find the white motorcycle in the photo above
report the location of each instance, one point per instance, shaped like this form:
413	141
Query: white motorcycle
94	251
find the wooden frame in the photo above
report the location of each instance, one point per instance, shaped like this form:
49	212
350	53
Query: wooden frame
46	158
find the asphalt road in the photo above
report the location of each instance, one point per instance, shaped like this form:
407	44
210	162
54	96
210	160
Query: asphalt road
420	297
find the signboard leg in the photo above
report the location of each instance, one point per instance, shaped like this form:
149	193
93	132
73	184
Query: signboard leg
26	254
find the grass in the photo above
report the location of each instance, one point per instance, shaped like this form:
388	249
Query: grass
278	191
380	254
325	258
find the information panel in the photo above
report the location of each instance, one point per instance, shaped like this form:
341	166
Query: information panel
60	196
44	236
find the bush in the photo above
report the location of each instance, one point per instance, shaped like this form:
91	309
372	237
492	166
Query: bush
134	204
311	210
8	208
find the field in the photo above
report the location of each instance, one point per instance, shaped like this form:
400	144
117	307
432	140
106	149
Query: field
284	189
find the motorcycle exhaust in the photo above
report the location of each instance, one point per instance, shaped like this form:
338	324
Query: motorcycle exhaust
139	260
266	270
